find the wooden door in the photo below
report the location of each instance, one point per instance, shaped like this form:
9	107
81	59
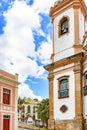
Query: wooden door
6	122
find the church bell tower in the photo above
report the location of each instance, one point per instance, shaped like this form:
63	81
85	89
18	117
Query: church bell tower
68	70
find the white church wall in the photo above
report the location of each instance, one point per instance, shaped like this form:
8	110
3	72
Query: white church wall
64	53
66	41
85	107
81	26
69	102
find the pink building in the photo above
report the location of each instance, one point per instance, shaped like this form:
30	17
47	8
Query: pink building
8	100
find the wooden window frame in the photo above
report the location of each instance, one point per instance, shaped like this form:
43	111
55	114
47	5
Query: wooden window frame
85	84
60	24
60	79
6	96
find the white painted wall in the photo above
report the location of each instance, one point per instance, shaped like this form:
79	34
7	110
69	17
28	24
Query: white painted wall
69	102
81	26
67	40
85	106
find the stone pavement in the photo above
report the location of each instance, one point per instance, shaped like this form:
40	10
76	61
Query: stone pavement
25	126
21	129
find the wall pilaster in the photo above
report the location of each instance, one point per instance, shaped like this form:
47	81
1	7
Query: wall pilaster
51	103
78	90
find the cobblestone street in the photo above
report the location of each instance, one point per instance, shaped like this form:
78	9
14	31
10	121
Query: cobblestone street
22	129
24	126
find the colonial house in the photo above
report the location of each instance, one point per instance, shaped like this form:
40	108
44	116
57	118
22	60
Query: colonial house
8	100
27	111
68	70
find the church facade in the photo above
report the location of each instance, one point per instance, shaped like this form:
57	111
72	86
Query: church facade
68	70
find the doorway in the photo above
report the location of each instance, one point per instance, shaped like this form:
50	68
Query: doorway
6	122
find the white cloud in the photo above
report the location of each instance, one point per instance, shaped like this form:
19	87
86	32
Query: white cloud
0	4
44	51
25	91
42	7
85	1
17	43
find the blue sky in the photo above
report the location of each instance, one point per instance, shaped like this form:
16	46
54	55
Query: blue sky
25	43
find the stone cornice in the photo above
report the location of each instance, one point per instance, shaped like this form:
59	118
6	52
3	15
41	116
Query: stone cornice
72	59
67	4
8	80
77	57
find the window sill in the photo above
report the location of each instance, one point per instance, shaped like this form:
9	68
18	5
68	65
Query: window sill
63	97
60	35
9	105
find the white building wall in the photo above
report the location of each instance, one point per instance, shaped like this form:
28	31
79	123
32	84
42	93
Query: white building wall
69	102
81	27
85	106
66	41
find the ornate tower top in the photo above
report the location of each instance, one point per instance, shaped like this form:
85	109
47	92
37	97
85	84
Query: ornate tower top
68	17
66	4
57	2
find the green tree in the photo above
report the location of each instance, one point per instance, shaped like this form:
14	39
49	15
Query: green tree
43	110
20	106
20	100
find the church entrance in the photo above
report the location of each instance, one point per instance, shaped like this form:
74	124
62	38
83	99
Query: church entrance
6	122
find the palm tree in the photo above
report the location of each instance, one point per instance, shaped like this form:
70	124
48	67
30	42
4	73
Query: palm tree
20	105
43	111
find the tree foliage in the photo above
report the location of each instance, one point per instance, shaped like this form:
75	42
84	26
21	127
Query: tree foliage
20	102
43	110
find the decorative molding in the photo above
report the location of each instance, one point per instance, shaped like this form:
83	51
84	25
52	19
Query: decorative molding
6	79
66	4
63	108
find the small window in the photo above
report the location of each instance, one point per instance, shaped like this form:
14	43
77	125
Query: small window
6	96
63	88
63	108
63	26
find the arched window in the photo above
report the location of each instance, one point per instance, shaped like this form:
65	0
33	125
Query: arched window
28	109
63	26
63	89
